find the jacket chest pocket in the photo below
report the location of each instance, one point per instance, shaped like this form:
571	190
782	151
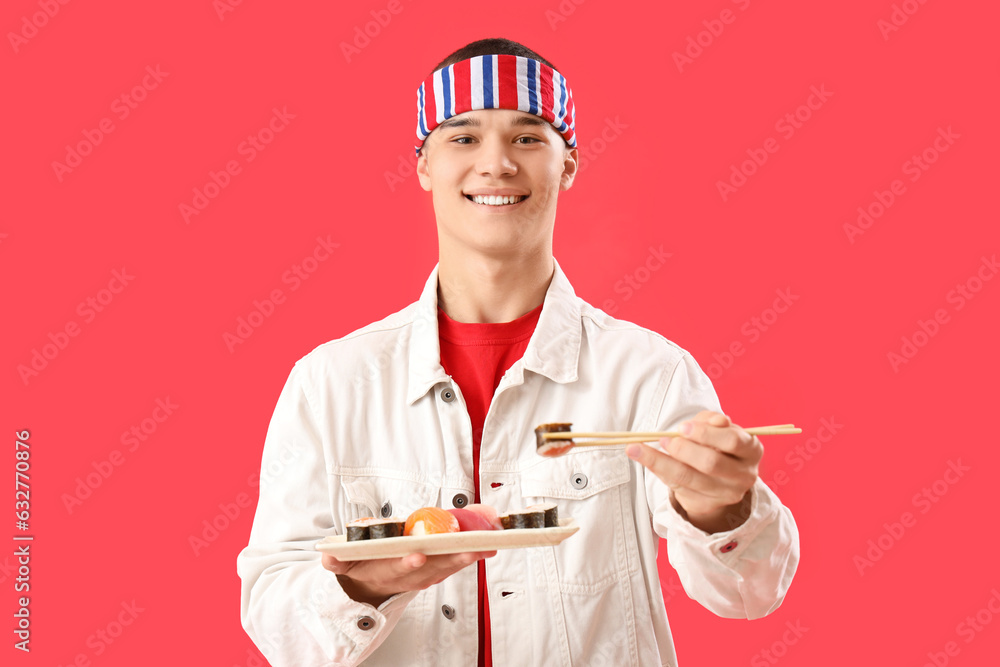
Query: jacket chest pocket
591	487
382	496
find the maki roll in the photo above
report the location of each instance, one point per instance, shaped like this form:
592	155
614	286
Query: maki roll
380	528
550	513
525	519
554	447
358	529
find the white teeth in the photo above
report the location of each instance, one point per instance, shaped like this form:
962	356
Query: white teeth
496	201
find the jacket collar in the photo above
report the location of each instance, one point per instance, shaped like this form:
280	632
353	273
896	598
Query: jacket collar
553	350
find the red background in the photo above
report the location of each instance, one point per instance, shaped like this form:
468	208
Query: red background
654	184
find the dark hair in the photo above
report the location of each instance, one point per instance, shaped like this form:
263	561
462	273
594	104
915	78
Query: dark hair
489	47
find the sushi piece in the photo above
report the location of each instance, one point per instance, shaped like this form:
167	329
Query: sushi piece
430	521
381	528
358	529
469	520
526	519
487	513
545	447
549	511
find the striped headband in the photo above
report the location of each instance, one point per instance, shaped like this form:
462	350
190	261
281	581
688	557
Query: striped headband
496	82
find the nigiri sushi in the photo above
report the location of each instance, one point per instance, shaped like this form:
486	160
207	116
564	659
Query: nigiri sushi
469	520
430	521
487	513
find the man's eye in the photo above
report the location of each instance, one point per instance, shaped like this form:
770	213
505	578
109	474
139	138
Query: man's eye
528	138
459	139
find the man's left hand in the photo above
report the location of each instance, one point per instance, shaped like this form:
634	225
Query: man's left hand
710	470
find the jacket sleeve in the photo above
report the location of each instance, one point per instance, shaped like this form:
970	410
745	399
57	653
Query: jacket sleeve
293	609
740	573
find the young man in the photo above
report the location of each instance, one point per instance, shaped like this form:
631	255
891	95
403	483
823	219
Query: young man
437	405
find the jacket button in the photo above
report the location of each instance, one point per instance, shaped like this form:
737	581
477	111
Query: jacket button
366	622
448	611
460	500
726	548
578	480
447	395
386	510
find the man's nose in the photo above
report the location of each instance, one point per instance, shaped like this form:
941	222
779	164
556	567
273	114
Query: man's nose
495	158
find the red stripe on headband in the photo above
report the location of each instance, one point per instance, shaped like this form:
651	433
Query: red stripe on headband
430	106
507	81
547	96
463	85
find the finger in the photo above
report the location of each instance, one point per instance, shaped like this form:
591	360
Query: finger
411	562
336	566
713	418
719	419
676	474
732	440
709	460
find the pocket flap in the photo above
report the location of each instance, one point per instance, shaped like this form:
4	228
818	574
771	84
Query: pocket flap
576	475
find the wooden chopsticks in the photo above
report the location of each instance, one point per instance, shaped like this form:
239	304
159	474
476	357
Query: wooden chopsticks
627	437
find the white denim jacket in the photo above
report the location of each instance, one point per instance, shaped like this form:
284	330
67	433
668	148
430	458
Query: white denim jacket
371	424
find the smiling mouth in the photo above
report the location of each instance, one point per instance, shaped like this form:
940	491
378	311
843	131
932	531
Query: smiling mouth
505	200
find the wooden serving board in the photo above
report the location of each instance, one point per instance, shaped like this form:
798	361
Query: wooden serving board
447	543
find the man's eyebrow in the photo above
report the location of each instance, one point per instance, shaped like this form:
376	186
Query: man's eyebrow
533	121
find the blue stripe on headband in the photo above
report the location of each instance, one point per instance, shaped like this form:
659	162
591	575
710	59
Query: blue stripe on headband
532	95
423	111
487	82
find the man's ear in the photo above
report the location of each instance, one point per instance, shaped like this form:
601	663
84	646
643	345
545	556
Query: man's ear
571	162
423	173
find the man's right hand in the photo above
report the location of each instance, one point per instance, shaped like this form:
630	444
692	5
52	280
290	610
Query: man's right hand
375	581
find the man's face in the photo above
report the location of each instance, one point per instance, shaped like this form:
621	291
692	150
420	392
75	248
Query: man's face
497	151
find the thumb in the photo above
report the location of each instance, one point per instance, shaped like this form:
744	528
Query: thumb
334	565
640	454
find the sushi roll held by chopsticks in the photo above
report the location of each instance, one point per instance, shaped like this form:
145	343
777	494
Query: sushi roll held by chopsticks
557	439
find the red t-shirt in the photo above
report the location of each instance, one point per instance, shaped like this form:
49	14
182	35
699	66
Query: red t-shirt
476	356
